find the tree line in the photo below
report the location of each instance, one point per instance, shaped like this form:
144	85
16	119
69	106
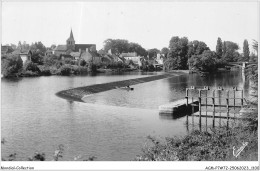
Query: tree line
196	55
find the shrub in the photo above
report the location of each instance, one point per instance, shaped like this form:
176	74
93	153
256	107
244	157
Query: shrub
207	61
65	69
37	58
29	74
92	67
45	70
30	66
216	145
11	65
82	62
50	60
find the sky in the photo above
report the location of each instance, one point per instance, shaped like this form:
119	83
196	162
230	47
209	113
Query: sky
150	24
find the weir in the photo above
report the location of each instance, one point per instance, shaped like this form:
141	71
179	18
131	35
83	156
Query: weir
78	93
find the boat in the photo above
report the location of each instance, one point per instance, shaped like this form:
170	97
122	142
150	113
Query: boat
125	88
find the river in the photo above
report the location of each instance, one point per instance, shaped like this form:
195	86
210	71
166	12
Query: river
111	125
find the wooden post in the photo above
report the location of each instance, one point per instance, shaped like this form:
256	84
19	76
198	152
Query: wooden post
206	121
234	99
242	98
219	102
187	93
213	101
200	108
227	101
206	99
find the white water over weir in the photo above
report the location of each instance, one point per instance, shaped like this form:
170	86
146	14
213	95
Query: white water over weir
78	93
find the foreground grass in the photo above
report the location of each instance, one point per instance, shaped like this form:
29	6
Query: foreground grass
219	144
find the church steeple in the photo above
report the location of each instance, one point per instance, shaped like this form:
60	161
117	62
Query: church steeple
71	35
71	41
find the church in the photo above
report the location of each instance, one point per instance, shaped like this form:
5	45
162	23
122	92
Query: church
73	49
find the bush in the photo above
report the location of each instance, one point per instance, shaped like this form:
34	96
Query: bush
216	145
65	69
92	67
29	74
170	64
206	62
45	70
37	58
30	66
50	60
11	65
82	62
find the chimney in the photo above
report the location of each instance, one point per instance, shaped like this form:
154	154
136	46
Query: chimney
86	49
79	50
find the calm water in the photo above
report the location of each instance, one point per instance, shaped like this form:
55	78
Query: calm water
111	125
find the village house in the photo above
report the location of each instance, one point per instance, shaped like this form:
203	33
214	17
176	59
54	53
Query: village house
25	54
160	58
6	50
132	57
77	51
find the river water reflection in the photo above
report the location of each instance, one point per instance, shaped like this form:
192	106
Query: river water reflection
111	125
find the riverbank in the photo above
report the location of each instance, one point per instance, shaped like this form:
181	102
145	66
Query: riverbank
80	92
220	144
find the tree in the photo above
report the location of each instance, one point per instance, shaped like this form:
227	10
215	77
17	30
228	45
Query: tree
11	65
37	57
38	46
230	53
165	51
117	46
135	47
224	49
253	56
207	61
255	46
219	47
152	53
30	66
245	51
178	51
196	48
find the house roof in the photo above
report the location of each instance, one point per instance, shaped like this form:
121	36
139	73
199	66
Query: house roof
75	54
6	49
61	48
66	56
19	51
83	46
131	54
48	51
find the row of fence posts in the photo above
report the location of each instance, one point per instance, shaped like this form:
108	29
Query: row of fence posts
206	89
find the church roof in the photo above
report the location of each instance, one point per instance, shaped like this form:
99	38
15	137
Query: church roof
83	46
61	48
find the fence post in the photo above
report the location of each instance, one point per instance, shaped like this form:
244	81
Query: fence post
242	98
213	101
227	101
200	107
187	97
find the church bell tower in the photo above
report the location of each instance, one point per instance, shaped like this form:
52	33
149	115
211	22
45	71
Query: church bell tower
71	42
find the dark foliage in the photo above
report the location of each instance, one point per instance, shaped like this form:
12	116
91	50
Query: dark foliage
11	65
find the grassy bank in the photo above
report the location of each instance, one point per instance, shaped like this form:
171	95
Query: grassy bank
220	144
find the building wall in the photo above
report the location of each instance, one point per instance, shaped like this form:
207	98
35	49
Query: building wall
88	58
58	53
24	58
136	60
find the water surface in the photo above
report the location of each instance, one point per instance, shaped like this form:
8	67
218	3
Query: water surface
111	125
